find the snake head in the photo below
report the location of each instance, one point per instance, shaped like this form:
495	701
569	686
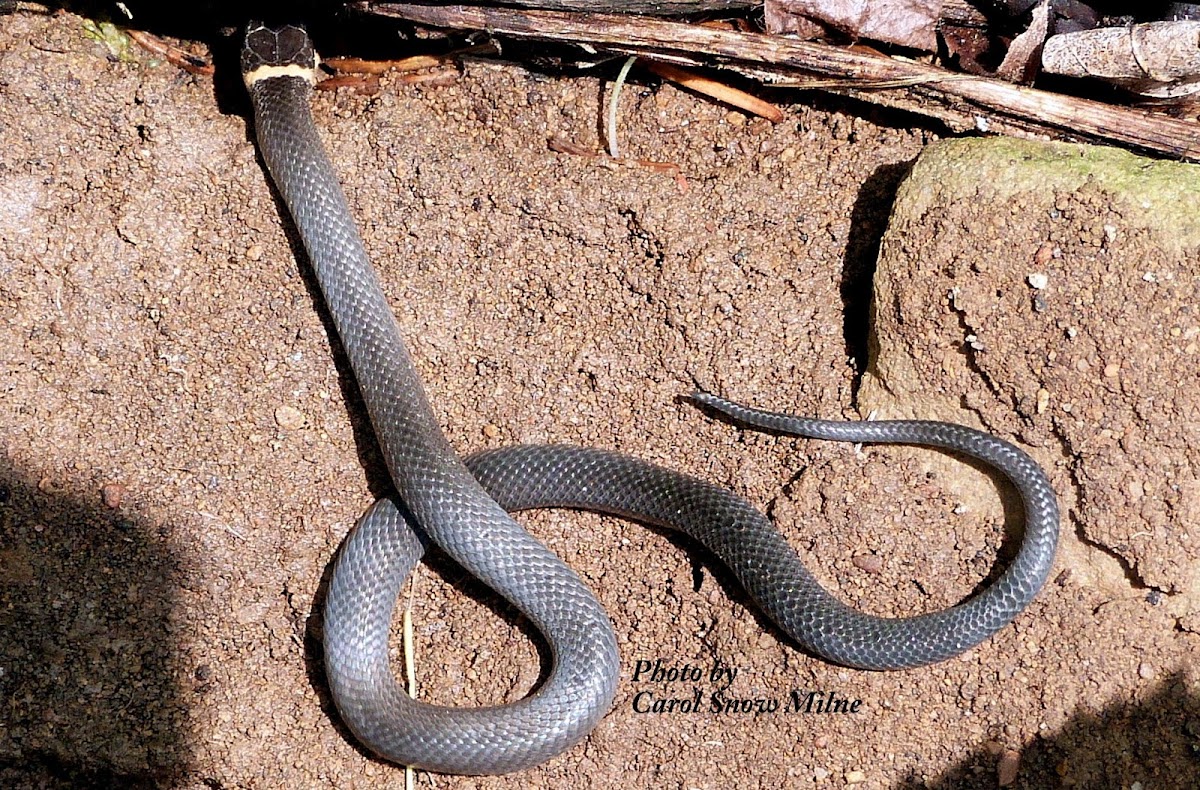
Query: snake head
272	51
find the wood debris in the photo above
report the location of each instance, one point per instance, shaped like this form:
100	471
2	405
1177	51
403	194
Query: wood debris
1021	61
962	101
1160	59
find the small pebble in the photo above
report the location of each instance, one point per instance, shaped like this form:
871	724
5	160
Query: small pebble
111	494
1038	281
289	418
855	777
491	431
1136	489
868	562
1145	671
1043	400
1007	767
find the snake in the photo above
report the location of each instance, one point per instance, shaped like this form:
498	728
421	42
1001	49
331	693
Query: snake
463	506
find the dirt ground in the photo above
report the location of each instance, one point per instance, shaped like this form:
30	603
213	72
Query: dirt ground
182	449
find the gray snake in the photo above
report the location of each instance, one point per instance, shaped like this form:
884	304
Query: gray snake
463	507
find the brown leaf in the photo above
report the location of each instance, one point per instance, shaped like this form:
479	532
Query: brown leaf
969	47
779	20
909	23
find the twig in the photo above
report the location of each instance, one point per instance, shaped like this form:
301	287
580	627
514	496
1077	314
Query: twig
564	146
364	66
717	90
365	84
409	64
174	55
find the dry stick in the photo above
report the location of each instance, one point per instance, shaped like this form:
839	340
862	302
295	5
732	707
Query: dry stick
962	101
1158	59
365	84
717	90
174	55
411	63
364	66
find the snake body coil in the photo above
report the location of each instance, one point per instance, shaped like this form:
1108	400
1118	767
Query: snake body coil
464	510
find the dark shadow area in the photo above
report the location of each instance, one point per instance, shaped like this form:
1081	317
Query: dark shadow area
89	678
1153	742
199	19
337	27
868	221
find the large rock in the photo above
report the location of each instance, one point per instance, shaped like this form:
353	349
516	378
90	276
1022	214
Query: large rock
1049	292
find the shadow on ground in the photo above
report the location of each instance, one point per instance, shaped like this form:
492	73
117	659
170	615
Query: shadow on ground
1152	743
89	693
868	221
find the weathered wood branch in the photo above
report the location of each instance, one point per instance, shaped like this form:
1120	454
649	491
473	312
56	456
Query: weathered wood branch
962	101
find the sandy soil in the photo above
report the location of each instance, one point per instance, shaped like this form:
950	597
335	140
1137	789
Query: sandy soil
183	449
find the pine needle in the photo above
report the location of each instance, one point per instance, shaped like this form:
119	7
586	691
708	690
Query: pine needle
612	107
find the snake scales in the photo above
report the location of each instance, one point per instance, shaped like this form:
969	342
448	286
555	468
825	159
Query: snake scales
462	507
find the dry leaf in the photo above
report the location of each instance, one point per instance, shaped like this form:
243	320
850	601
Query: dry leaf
780	21
909	23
